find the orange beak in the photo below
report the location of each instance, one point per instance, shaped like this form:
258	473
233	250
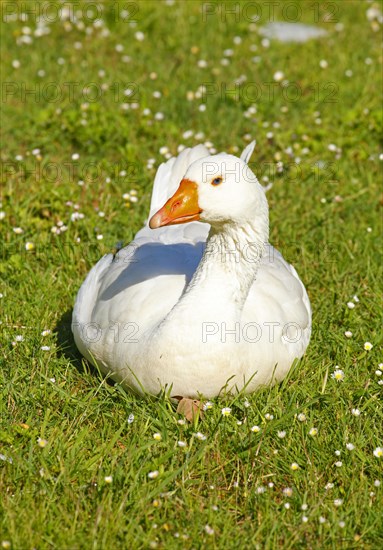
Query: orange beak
182	207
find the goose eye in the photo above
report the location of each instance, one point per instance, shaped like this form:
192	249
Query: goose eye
216	181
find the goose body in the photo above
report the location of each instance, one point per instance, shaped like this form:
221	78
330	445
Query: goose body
196	307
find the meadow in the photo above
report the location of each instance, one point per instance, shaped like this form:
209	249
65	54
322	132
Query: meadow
95	95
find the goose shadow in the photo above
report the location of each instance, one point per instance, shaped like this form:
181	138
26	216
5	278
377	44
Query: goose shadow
151	260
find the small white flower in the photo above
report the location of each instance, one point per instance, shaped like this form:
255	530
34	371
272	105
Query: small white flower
338	502
46	332
305	519
29	246
16	64
287	505
378	452
355	412
337	453
139	36
45	348
18	230
278	76
341	524
281	434
376	483
339	464
157	436
75	156
255	429
350	305
207	406
19	338
302	417
368	346
348	334
200	436
323	64
42	442
378	372
108	479
329	486
350	446
99	237
209	530
154	474
338	375
322	519
304	507
313	432
287	491
294	466
226	411
260	490
269	416
131	418
181	444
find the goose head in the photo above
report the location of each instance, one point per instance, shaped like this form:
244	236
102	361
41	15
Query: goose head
220	190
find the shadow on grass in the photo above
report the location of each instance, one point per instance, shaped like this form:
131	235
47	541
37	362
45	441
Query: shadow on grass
67	347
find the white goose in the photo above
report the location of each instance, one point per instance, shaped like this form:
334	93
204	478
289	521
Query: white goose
198	308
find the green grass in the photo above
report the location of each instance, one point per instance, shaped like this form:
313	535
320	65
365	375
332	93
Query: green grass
57	496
